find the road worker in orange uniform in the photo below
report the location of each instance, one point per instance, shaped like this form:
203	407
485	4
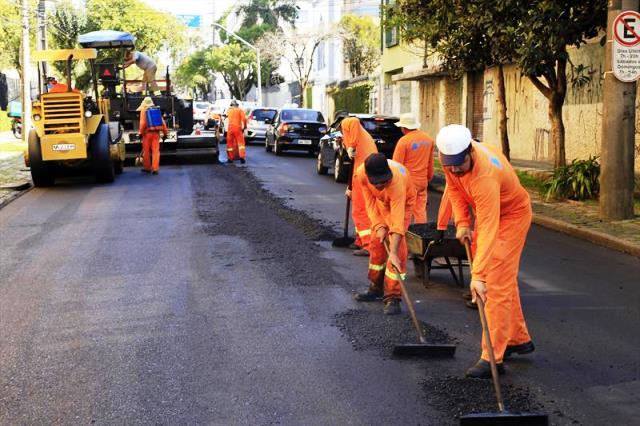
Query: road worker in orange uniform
359	145
235	133
390	197
54	87
150	139
415	151
480	177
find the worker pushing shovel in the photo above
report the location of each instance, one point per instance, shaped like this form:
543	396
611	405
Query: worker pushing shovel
480	177
389	197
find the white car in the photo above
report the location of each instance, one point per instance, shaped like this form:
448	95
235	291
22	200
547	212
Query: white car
259	119
200	109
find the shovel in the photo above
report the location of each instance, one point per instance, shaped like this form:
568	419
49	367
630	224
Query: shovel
502	417
345	240
422	348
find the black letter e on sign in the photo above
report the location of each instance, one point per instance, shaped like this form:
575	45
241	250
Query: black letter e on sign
630	26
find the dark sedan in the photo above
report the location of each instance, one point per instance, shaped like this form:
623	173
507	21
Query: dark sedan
295	129
333	155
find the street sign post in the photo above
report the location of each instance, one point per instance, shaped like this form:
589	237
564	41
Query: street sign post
626	46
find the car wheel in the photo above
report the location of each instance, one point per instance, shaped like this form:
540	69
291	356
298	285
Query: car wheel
277	148
320	169
101	157
340	170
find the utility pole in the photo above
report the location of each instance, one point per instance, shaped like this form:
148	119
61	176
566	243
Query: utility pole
42	31
618	131
26	73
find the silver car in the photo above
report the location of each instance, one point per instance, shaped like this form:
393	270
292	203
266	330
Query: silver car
258	122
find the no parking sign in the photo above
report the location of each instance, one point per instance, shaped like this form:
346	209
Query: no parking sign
626	46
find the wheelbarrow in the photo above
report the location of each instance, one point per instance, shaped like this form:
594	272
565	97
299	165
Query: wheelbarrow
423	244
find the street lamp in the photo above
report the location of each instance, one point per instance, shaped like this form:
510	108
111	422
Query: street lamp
259	85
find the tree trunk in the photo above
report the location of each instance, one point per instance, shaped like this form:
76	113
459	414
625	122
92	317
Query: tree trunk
303	88
557	130
502	114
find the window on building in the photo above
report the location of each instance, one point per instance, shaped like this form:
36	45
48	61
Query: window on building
390	34
320	56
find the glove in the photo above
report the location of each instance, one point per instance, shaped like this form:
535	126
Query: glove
440	237
351	152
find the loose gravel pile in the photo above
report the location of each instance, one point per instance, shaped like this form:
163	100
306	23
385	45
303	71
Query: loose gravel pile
457	396
370	329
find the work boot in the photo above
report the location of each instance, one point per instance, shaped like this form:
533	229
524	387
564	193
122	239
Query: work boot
391	307
229	160
522	349
469	304
145	171
482	370
242	161
368	296
361	252
155	172
354	246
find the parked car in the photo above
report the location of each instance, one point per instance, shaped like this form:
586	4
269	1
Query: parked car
333	155
257	124
295	129
200	109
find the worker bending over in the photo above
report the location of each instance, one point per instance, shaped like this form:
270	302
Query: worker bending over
235	133
480	177
390	198
415	151
147	65
359	145
150	139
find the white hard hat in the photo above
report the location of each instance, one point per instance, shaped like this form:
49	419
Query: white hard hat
408	121
453	142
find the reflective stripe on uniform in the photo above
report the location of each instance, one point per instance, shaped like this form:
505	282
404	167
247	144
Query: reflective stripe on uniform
241	148
364	232
394	275
376	267
229	149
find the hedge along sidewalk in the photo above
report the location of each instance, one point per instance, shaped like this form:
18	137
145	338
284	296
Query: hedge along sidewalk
576	218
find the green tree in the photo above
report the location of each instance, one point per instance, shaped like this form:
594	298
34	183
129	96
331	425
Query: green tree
268	12
534	35
11	33
196	72
360	43
154	30
467	36
65	24
237	65
547	29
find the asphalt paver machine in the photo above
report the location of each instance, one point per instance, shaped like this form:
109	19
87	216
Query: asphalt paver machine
71	129
126	95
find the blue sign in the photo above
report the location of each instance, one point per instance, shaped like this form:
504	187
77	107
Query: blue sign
191	21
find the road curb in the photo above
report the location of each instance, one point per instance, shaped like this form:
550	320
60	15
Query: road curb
595	237
13	196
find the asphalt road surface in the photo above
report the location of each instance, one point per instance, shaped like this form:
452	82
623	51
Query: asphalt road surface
211	294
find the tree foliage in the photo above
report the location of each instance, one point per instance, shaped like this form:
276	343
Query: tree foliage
360	42
237	65
195	72
11	32
469	35
268	12
65	24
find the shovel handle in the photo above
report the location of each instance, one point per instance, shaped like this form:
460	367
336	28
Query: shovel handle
407	299
485	330
346	214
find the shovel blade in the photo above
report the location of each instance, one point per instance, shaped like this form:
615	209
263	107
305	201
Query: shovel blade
505	419
343	242
425	349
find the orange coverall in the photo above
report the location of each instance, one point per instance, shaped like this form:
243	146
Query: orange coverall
354	136
390	207
503	216
415	151
151	143
444	211
235	133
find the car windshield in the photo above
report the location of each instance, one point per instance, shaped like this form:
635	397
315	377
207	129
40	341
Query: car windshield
202	106
382	127
263	114
302	115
